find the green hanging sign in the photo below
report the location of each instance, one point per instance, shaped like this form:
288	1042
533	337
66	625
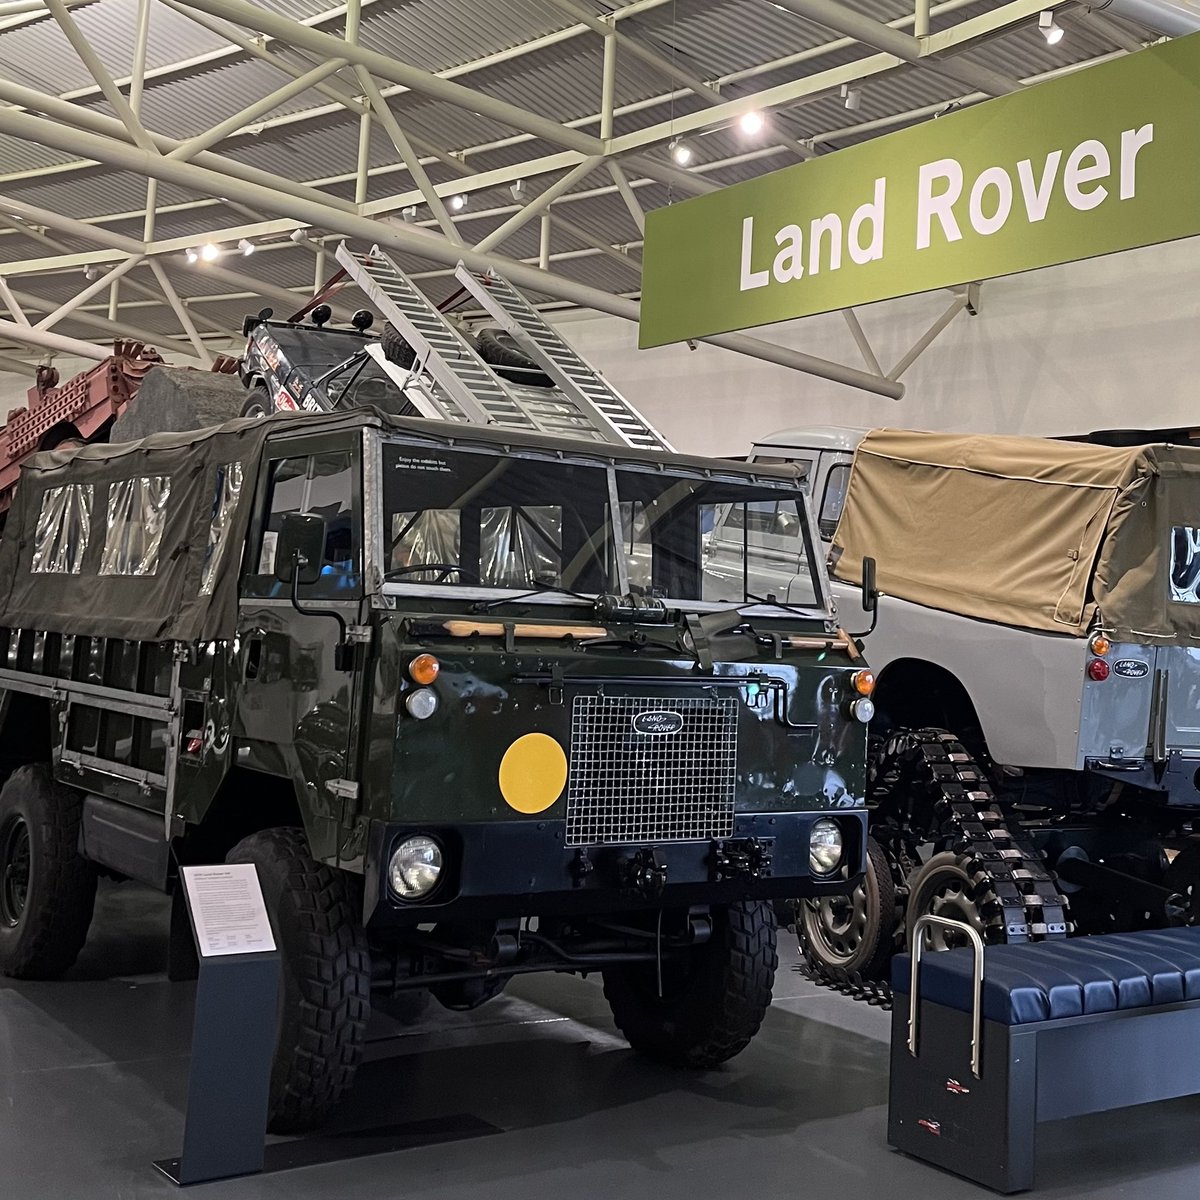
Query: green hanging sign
1102	160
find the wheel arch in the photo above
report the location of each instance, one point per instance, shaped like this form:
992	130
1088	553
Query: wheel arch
26	729
247	802
914	693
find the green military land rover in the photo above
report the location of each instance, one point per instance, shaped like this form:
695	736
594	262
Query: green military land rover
475	702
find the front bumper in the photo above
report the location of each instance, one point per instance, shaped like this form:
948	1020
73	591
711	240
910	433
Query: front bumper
522	868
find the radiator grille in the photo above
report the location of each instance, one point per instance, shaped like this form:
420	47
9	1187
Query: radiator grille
629	784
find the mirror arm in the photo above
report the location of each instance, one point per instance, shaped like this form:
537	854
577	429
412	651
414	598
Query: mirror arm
343	653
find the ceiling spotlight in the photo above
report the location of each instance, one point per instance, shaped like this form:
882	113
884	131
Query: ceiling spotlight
193	255
209	251
409	214
246	246
1052	31
92	272
299	235
519	191
459	202
752	123
681	152
851	97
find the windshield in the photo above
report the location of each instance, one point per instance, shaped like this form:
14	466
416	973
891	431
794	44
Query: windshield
363	383
473	519
315	348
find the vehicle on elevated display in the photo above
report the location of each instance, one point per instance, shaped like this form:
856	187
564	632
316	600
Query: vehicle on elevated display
1035	749
474	701
81	410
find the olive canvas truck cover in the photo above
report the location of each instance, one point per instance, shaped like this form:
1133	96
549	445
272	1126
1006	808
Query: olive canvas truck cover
1030	532
93	547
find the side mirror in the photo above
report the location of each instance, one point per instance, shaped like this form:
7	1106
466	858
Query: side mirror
870	594
300	548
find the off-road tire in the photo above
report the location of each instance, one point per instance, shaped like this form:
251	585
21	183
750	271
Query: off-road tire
44	938
259	403
717	1009
396	348
497	349
872	923
326	998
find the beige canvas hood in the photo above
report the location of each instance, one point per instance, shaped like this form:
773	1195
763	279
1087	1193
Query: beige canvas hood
1028	531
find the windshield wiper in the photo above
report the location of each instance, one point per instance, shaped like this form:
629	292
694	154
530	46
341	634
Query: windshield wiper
539	589
773	603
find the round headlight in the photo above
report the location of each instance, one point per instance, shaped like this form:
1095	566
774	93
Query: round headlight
421	703
824	846
862	709
416	867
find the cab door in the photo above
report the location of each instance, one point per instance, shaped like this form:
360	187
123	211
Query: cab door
297	715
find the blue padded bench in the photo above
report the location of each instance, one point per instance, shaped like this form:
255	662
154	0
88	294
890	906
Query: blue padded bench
1064	1028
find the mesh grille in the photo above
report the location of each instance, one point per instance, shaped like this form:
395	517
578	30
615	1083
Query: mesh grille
629	784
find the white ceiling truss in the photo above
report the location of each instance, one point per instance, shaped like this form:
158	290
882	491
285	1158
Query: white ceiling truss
528	136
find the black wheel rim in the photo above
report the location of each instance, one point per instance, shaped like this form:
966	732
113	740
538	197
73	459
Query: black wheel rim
14	871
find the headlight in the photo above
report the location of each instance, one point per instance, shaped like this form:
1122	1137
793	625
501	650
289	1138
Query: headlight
421	703
416	867
862	709
824	846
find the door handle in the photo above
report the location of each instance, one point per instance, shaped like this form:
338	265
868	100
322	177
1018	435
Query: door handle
254	650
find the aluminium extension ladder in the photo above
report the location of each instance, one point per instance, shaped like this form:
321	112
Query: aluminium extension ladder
449	381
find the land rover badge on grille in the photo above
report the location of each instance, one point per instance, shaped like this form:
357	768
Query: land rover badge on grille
657	722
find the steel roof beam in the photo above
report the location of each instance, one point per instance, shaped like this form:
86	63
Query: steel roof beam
305	37
407	239
77	116
46	340
842	19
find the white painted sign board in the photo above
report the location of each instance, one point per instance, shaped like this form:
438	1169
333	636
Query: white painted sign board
228	911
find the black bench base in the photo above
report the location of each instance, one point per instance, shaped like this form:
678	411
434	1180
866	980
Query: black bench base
985	1129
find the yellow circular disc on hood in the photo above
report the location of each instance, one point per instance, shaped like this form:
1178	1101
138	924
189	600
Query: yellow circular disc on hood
533	773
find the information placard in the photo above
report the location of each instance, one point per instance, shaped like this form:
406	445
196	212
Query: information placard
228	911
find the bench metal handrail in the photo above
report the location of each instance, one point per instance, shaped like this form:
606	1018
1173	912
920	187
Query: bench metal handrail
918	938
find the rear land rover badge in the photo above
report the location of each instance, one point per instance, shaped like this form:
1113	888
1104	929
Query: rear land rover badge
657	722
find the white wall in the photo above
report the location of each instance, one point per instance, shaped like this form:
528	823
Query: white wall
1107	343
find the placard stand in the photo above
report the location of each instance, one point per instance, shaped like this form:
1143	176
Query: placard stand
235	1028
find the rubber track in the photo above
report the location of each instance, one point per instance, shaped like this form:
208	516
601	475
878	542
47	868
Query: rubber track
949	793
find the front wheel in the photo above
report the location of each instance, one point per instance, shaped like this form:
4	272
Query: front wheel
855	933
712	998
326	1000
259	404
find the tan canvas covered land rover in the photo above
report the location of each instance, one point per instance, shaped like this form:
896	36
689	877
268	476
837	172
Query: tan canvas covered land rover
1037	735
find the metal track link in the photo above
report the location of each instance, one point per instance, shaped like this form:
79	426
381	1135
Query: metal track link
876	992
935	790
966	812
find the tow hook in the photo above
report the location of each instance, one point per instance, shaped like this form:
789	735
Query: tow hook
644	874
581	867
743	858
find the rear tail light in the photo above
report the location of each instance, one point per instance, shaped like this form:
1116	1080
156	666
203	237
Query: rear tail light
1097	669
1099	645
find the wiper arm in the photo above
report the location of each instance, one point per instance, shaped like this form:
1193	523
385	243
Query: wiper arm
539	589
770	600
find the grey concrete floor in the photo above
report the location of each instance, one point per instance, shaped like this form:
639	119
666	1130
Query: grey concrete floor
93	1075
